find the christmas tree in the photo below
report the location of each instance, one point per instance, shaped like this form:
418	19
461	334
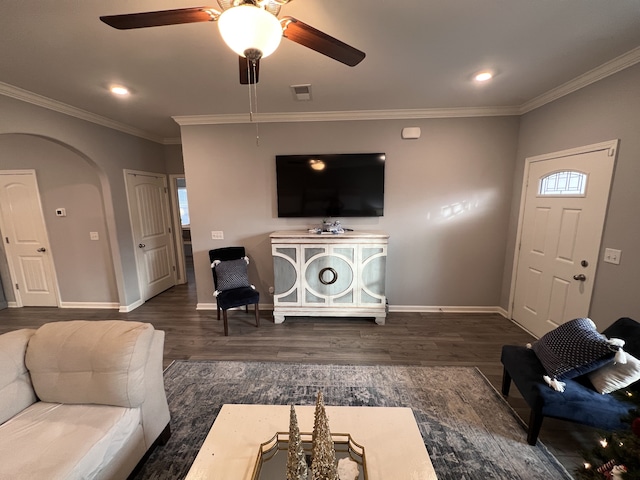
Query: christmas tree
323	464
296	462
617	455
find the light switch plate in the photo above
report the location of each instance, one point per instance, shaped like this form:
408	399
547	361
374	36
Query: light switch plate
612	255
94	236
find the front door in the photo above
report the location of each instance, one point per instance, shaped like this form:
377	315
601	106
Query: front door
25	239
565	204
151	226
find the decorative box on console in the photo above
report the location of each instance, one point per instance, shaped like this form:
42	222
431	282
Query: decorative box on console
329	274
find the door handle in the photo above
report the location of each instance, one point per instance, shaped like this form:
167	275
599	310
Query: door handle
580	277
141	245
41	250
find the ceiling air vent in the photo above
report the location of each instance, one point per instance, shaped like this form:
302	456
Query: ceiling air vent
301	92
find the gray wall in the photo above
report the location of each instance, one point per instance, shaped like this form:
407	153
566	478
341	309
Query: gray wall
173	159
606	110
465	260
433	260
84	267
107	152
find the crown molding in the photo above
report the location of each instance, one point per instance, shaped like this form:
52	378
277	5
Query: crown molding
609	68
334	116
50	104
616	65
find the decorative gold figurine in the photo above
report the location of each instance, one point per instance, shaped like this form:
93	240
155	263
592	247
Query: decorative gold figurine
323	454
296	462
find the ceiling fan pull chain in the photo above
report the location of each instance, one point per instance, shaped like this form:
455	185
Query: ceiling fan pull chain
250	106
252	65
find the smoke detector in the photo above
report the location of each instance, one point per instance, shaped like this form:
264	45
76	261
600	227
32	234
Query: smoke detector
301	93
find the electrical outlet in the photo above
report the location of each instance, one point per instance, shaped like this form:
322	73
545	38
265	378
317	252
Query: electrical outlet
612	255
217	235
94	236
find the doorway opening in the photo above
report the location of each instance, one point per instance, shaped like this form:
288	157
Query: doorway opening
182	221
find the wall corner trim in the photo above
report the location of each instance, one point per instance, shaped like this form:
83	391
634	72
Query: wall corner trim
130	307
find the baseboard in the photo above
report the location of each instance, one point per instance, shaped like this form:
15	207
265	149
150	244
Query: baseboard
96	305
213	306
205	306
403	309
130	307
109	305
446	309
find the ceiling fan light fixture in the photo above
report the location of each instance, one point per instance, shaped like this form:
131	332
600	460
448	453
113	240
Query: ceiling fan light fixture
246	28
119	90
483	76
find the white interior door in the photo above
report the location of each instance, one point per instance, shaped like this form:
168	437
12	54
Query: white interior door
151	226
26	243
565	204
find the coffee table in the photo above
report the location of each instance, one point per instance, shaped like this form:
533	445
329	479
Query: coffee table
393	445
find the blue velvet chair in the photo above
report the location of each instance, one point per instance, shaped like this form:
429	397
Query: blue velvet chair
234	297
580	402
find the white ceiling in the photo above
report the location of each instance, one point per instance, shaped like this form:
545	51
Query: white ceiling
421	55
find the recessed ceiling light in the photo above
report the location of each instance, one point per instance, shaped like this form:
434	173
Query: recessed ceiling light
483	76
119	90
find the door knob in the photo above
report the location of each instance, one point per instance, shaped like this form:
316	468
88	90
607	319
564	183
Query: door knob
41	250
141	245
580	277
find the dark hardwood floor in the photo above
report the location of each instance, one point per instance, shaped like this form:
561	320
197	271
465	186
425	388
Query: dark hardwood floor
407	338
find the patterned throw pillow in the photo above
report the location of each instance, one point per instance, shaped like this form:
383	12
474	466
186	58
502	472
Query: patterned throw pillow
573	349
232	274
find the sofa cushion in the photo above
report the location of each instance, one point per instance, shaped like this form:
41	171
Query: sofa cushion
573	349
65	442
99	362
16	391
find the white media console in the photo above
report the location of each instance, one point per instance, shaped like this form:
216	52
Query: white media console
322	275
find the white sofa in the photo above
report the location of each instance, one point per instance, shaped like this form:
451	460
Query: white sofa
80	399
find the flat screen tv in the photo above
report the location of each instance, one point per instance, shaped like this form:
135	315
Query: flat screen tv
330	185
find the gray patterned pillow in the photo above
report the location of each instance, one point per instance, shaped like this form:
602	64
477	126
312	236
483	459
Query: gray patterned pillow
574	348
232	274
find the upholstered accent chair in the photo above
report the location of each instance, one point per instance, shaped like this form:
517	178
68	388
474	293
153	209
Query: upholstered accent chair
580	401
231	282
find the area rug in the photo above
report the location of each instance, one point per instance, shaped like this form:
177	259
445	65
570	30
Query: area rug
470	432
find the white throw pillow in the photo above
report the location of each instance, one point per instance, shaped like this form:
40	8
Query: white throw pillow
614	376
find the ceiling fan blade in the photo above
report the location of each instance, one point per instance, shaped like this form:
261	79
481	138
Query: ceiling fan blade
306	35
247	74
160	18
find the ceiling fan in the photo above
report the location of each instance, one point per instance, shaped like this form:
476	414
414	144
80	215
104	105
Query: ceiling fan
251	28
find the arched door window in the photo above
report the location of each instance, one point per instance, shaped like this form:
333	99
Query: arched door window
569	182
